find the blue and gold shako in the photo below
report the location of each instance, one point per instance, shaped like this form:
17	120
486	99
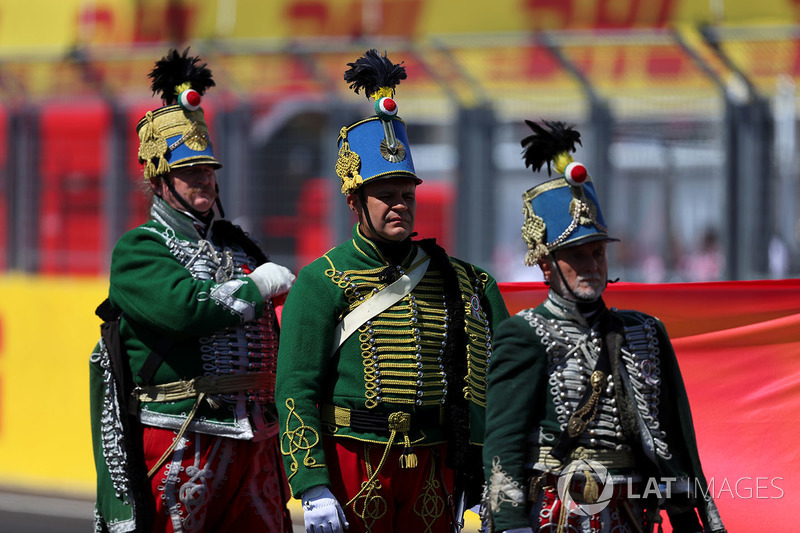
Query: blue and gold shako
375	147
563	211
176	135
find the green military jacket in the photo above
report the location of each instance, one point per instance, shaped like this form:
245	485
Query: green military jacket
396	362
186	297
540	369
176	291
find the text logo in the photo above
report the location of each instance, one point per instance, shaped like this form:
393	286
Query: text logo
590	491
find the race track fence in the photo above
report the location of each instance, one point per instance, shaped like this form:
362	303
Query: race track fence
688	133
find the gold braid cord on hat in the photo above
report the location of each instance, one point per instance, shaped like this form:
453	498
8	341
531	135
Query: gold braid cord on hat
152	147
348	165
584	213
533	233
165	123
196	137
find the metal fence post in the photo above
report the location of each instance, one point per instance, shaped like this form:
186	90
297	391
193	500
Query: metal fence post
234	143
730	142
23	216
748	161
115	205
749	177
598	141
755	175
785	191
475	184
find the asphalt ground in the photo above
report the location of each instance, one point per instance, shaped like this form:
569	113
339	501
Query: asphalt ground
35	513
31	512
27	512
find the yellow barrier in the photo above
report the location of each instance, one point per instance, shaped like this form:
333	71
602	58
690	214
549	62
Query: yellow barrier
47	331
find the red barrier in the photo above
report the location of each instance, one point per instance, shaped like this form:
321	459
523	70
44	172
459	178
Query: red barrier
72	160
739	350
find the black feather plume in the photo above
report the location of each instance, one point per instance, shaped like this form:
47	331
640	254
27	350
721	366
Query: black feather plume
373	71
548	140
174	69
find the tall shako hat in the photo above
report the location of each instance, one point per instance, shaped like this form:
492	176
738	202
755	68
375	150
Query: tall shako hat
176	135
375	147
563	211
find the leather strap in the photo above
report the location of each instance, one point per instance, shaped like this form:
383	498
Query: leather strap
381	301
363	420
181	390
611	459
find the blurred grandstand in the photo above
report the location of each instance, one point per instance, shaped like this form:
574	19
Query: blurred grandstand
688	118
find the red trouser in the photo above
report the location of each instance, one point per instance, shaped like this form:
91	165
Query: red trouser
400	499
217	484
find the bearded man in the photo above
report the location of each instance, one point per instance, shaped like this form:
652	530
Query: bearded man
585	405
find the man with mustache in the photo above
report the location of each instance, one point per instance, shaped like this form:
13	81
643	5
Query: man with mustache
384	348
588	422
182	381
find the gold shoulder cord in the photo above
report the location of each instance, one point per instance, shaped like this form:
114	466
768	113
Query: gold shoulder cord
580	419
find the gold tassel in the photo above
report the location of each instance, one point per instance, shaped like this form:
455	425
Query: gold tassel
409	459
591	492
533	255
163	165
533	233
149	170
148	130
348	165
152	146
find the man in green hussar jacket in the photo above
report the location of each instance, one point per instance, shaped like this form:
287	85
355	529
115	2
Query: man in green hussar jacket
182	382
588	422
384	349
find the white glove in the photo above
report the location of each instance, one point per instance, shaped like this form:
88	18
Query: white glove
272	279
321	512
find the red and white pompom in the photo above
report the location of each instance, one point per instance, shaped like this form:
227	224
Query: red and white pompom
386	107
576	174
189	99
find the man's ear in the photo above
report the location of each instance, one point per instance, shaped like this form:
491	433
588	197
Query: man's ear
546	264
155	185
353	203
